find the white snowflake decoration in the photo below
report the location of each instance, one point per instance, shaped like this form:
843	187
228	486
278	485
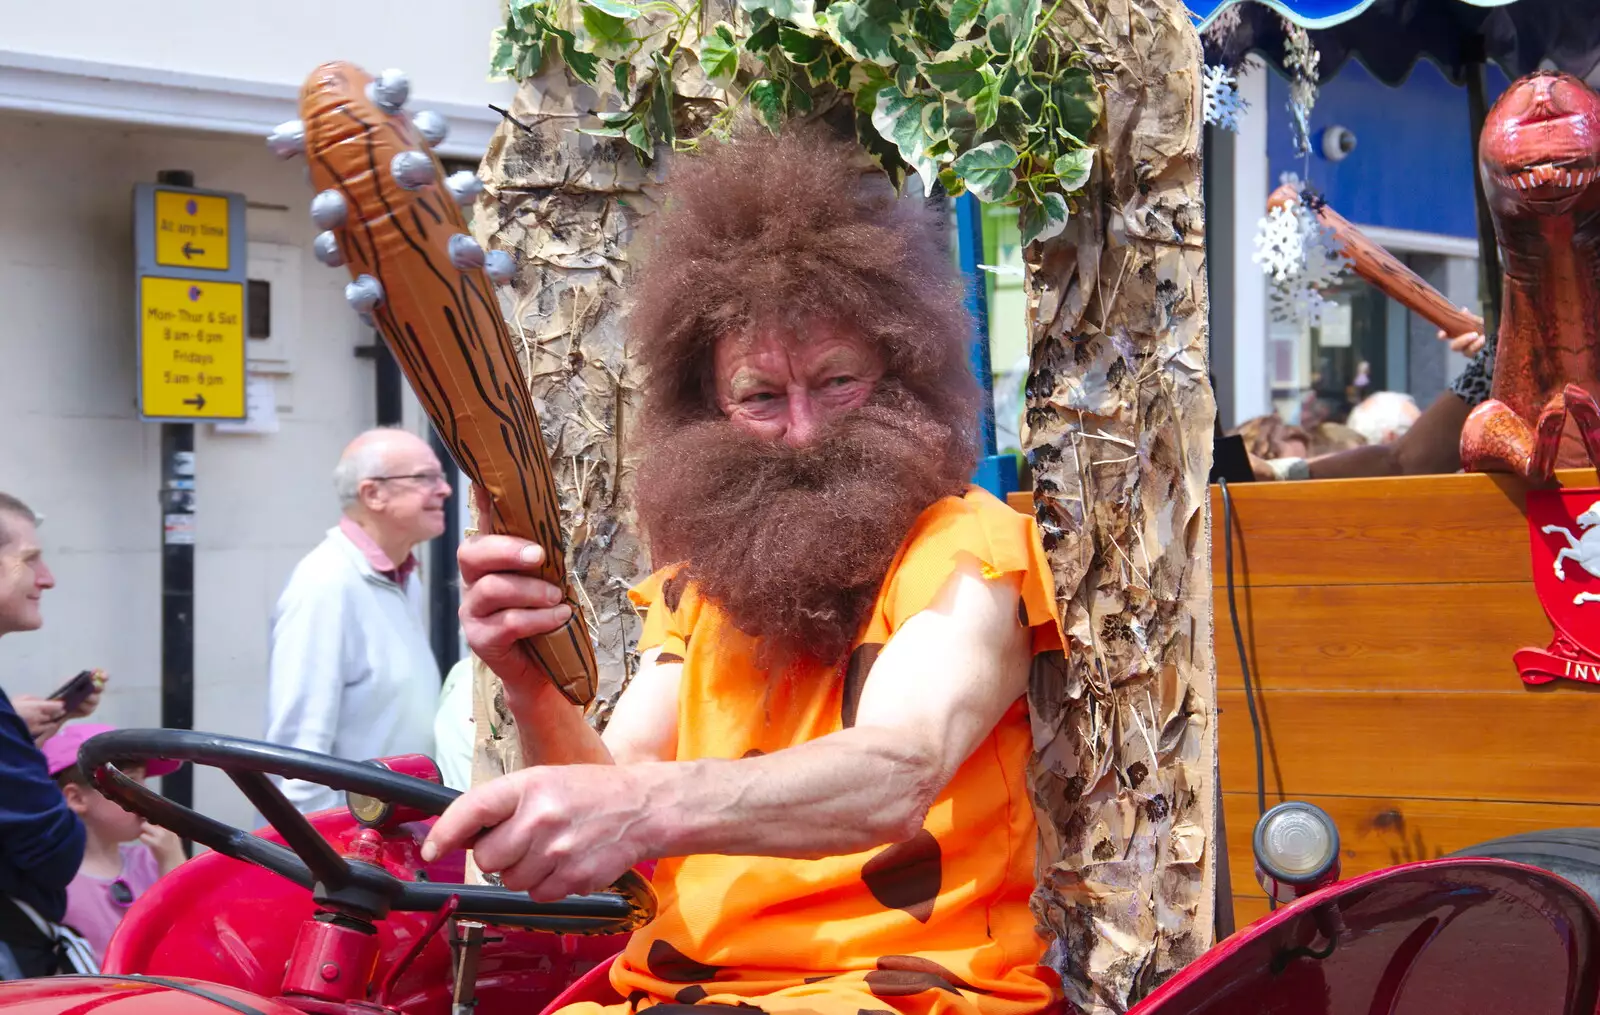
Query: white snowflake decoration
1220	98
1302	259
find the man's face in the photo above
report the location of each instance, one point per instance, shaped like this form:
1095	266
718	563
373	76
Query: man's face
23	575
408	500
782	385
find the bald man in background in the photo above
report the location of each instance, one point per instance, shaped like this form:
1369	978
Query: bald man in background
351	669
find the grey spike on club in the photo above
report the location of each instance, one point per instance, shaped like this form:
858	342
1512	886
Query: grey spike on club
465	253
287	139
501	266
326	249
433	127
464	186
389	90
329	210
412	170
364	295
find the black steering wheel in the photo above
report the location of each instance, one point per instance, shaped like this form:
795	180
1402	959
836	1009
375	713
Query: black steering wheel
361	888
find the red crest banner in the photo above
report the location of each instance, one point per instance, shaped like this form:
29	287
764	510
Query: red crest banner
1564	531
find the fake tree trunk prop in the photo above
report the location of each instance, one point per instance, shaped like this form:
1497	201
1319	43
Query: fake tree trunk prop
1118	428
1085	118
565	204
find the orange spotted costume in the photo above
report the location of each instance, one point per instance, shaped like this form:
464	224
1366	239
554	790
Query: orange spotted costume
938	924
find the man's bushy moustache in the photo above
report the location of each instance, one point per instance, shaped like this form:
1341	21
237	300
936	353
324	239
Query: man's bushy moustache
794	542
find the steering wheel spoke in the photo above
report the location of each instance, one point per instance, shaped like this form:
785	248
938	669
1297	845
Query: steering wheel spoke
324	862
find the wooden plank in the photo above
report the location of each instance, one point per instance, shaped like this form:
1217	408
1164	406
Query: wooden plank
1411	529
1404	530
1378	832
1380	637
1530	745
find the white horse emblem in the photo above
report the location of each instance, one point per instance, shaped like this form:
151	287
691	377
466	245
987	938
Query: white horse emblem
1584	549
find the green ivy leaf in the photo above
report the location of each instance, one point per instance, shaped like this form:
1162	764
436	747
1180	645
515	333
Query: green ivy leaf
960	124
640	139
800	13
839	77
584	65
798	99
932	29
602	131
799	46
866	79
523	15
502	56
902	121
531	59
719	54
954	186
615	8
963	15
1076	100
609	33
1043	221
1010	124
766	96
988	170
764	37
959	75
865	28
985	105
622	76
1074	167
883	153
1011	23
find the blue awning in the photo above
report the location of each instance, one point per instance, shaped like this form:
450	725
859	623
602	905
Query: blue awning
1389	36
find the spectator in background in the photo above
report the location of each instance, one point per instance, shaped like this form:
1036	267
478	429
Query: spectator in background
1384	416
124	854
351	671
1327	437
41	840
453	727
1270	437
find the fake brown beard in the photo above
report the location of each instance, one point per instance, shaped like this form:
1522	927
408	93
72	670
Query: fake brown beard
793	543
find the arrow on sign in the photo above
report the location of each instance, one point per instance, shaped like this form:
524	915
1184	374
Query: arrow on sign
190	250
198	401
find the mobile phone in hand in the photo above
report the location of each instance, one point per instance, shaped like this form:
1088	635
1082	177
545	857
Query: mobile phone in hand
75	691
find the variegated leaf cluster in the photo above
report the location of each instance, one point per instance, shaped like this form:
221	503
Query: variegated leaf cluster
965	95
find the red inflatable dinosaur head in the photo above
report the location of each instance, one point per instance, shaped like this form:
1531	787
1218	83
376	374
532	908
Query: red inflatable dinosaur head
1540	148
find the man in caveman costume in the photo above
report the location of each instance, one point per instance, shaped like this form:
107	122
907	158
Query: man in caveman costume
826	740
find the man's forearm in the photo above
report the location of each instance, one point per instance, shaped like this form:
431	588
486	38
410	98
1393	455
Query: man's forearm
552	730
841	794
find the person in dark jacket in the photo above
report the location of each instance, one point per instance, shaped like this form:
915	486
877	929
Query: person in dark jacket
41	840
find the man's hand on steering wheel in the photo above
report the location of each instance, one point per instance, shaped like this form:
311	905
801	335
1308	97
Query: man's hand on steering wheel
553	831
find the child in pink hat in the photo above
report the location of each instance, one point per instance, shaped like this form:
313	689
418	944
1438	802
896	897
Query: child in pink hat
124	854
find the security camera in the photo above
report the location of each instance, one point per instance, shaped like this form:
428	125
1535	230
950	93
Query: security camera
1338	143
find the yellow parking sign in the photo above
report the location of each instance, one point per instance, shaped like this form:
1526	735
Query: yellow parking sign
191	345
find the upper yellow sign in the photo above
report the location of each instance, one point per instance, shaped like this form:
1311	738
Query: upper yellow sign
191	348
191	230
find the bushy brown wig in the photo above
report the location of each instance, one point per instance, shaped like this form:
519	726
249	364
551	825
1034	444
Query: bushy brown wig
789	228
794	542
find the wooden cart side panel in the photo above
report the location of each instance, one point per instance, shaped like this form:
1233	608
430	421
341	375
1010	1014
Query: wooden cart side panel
1379	618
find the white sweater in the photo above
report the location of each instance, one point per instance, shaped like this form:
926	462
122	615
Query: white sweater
351	670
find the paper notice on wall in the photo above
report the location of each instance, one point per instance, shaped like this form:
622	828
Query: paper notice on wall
260	406
1336	322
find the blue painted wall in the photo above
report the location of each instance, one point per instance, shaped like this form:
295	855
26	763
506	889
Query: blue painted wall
1412	166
